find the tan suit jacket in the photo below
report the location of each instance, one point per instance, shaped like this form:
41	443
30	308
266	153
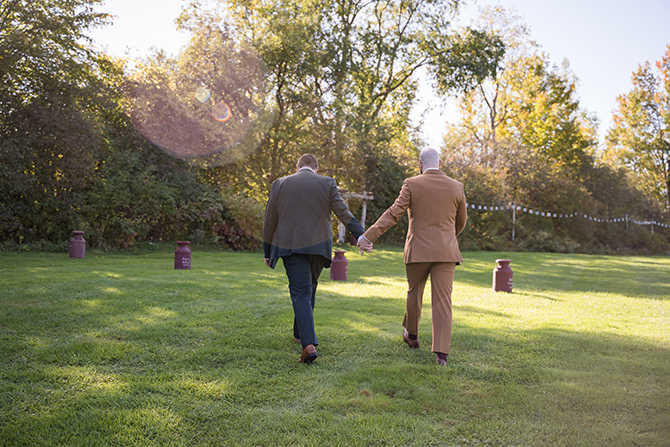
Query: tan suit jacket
437	214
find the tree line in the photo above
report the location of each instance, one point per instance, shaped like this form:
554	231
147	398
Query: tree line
130	153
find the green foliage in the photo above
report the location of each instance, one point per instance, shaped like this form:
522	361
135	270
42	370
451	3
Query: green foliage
49	133
343	79
143	194
640	137
44	162
530	181
334	78
524	103
524	139
130	202
484	230
471	59
210	105
70	159
385	179
41	45
547	119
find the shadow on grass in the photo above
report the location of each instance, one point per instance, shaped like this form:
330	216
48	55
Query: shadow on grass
178	381
636	277
141	355
531	294
536	273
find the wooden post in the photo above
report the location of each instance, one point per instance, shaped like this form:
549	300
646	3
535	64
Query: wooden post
513	218
365	197
341	230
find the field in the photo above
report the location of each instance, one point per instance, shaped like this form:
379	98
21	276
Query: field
121	349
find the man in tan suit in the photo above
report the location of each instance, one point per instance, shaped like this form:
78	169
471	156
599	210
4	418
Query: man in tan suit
437	214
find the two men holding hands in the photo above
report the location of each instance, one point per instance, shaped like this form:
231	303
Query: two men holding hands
297	228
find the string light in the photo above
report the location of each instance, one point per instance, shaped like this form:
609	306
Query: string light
555	215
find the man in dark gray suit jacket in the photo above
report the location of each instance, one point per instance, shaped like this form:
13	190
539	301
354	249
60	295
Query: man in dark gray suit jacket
297	228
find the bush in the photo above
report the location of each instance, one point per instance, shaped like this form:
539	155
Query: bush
530	181
385	178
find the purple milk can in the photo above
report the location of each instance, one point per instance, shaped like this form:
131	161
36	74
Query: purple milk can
77	245
502	276
182	256
338	268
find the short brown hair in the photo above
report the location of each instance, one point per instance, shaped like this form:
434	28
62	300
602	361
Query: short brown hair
309	161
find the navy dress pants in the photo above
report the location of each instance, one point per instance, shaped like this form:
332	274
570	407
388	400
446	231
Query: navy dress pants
303	275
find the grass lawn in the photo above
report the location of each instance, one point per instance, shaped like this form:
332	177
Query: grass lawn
124	350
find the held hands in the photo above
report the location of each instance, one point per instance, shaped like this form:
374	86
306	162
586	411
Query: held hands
364	244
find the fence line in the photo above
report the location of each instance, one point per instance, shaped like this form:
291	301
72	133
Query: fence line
479	206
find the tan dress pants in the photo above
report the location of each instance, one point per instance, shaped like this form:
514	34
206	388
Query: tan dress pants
441	282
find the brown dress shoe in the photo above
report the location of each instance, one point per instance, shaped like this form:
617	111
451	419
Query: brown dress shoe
308	354
414	344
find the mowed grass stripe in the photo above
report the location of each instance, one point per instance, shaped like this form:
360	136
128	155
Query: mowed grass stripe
121	349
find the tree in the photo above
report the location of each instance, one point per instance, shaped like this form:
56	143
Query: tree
70	158
342	77
640	136
49	100
525	103
40	41
524	139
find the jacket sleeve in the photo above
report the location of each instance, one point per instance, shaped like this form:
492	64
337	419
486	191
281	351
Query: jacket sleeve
461	214
270	220
392	215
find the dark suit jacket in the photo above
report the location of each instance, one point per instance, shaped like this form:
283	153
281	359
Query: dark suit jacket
298	216
437	214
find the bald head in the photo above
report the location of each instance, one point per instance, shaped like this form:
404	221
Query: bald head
429	158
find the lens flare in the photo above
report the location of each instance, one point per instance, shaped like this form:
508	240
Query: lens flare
221	112
203	95
215	112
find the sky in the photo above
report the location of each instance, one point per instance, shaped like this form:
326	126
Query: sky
604	42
